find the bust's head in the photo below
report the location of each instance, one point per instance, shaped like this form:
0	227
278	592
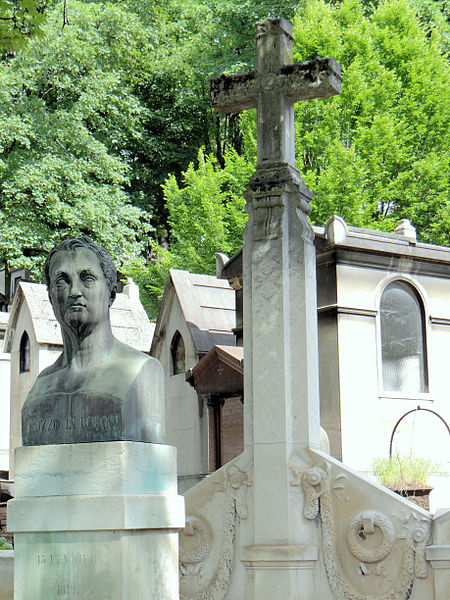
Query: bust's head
82	282
71	244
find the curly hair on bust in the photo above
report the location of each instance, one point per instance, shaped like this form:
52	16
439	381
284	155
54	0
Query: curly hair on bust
74	243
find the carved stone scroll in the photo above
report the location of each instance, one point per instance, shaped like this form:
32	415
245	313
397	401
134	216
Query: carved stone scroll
372	558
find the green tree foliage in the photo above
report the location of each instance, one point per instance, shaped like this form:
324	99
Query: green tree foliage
100	120
19	21
161	56
67	118
96	114
380	151
374	155
206	215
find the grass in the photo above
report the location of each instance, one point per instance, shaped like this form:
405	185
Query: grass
404	472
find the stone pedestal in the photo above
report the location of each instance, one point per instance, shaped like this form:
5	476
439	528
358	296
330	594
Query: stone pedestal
96	521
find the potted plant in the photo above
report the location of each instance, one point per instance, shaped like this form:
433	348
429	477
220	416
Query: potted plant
407	476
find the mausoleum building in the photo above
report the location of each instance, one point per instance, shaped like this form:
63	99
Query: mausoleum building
383	302
197	314
384	335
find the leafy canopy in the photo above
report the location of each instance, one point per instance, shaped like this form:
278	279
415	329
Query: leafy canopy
20	20
101	122
374	155
67	116
379	152
206	215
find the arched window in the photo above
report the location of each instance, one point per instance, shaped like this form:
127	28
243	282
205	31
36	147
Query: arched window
177	353
403	349
24	355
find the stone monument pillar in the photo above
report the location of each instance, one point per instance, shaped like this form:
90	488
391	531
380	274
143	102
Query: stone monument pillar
280	323
96	513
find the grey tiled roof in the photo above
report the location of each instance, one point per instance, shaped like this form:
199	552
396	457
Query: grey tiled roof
129	320
208	306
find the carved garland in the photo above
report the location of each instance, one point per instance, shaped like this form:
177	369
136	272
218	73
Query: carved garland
219	585
193	562
316	486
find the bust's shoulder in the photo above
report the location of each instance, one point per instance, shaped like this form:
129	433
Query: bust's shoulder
51	369
128	356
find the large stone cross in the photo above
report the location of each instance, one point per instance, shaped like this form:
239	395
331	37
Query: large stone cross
274	88
281	409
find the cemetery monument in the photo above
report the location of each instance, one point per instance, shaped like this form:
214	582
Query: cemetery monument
96	512
284	519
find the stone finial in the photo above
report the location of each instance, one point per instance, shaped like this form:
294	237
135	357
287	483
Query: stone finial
131	290
336	230
221	260
406	229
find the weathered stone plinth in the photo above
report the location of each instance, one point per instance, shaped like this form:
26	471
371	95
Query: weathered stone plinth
96	521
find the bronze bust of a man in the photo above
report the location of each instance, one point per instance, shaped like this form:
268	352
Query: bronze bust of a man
98	389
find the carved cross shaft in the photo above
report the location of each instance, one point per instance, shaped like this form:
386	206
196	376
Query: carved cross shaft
274	88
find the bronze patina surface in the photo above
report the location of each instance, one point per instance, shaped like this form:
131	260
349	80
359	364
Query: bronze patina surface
98	389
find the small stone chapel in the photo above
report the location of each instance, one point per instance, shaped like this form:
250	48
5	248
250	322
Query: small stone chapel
357	271
197	316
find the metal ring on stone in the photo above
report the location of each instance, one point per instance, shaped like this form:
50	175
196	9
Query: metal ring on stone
370	555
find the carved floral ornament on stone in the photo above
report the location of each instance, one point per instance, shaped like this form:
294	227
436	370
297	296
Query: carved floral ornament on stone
366	559
205	568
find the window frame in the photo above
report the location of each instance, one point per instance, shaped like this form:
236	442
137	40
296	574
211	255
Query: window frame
23	359
175	341
422	298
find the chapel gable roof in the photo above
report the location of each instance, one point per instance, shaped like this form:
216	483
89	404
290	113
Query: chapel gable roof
220	371
129	320
207	304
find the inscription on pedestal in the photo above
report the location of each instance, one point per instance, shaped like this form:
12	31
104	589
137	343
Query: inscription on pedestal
55	570
67	590
66	559
97	565
95	423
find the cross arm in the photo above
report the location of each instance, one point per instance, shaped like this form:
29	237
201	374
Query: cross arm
317	78
233	93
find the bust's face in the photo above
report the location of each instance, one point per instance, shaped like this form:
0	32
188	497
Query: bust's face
79	291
